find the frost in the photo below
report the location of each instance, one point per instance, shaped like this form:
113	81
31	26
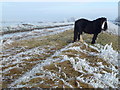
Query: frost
9	38
96	79
98	69
109	54
66	83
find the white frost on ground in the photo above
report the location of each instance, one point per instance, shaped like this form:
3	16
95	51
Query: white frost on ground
13	58
102	80
9	38
97	80
26	26
109	54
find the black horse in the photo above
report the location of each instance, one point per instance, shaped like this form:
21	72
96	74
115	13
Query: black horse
91	27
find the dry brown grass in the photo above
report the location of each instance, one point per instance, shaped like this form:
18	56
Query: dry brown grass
58	41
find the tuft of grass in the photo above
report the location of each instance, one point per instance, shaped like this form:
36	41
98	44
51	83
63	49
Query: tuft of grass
36	80
67	68
103	39
51	67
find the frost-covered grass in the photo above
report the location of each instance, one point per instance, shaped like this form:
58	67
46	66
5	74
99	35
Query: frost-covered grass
30	27
51	60
13	37
20	56
94	70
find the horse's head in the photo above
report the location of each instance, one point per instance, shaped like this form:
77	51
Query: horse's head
104	25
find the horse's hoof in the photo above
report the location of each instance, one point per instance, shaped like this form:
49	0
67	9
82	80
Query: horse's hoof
92	42
73	41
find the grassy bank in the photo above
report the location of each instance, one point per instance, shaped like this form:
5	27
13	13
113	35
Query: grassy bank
65	38
71	67
48	45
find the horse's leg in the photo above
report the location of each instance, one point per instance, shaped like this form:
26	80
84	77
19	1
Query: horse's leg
94	38
75	35
81	39
78	36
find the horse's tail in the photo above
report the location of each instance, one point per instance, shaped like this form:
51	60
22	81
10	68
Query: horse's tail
75	32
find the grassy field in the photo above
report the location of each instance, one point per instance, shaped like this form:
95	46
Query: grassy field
65	38
47	46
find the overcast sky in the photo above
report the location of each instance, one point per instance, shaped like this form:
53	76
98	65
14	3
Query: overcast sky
59	0
57	11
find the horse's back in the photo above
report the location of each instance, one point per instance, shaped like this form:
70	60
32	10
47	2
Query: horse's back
81	23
